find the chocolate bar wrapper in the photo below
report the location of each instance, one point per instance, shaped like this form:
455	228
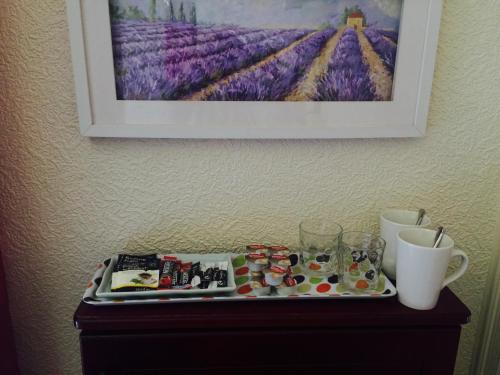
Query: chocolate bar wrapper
128	262
196	281
134	280
185	273
167	274
195	270
208	274
183	278
175	275
222	275
135	273
215	278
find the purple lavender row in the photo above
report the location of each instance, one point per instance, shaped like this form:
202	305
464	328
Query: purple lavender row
128	36
385	49
173	81
347	77
159	25
176	55
131	49
163	43
167	31
275	80
120	37
391	34
146	25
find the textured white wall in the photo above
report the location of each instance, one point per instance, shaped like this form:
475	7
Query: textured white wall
67	202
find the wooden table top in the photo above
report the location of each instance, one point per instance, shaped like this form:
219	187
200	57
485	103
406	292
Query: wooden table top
344	313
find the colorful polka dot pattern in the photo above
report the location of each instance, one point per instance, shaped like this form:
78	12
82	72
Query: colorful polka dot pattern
242	271
306	285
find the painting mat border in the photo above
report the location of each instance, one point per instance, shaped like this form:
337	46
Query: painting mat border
101	115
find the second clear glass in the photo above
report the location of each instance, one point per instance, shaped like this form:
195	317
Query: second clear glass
362	255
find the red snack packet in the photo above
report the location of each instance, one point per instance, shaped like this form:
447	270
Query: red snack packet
167	270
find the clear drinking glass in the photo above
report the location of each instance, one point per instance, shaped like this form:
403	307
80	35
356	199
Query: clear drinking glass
362	255
319	244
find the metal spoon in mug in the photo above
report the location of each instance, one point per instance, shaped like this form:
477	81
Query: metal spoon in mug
420	217
439	237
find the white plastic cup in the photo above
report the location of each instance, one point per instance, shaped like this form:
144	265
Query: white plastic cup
392	221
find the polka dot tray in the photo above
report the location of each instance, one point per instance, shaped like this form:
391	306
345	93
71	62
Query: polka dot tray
306	287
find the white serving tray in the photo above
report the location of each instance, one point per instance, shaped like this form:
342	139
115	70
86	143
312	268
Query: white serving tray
385	289
104	290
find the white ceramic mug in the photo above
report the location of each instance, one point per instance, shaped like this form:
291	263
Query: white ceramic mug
392	221
421	269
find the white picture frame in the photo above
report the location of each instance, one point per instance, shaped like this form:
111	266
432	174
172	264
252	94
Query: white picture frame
102	115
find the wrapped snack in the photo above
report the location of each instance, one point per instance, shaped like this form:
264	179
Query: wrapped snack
184	276
168	268
195	269
195	275
257	257
207	270
176	275
127	262
196	281
135	273
215	277
221	275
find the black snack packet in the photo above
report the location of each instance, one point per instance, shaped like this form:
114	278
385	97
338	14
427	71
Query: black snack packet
175	278
222	282
221	275
195	270
184	277
208	275
216	276
127	262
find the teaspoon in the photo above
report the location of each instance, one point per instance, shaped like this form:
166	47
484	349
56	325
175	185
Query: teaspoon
420	217
439	237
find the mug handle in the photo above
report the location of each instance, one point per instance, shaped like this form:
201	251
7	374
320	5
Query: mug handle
461	270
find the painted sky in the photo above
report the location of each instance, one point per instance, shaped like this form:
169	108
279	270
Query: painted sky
280	13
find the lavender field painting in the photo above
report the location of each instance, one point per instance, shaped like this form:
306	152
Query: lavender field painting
255	50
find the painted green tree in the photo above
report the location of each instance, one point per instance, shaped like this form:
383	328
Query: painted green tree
192	15
152	10
182	15
171	17
134	13
115	11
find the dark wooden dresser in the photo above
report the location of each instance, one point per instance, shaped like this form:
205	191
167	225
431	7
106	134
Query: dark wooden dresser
289	337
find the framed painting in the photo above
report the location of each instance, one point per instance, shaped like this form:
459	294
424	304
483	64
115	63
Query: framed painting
253	68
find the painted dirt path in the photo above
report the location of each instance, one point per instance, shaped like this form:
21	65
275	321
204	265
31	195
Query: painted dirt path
307	87
380	76
390	40
207	91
